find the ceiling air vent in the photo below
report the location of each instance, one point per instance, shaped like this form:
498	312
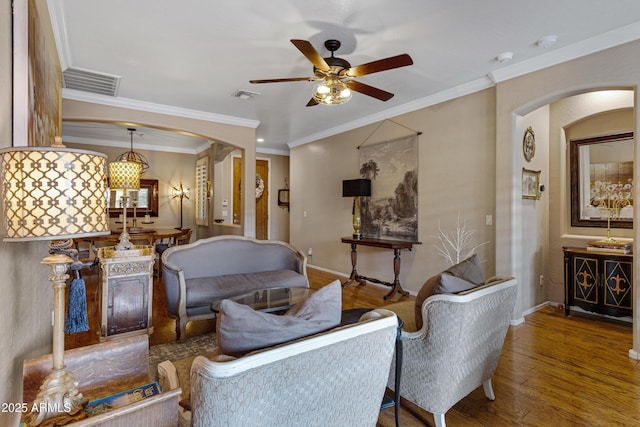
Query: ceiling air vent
245	94
90	81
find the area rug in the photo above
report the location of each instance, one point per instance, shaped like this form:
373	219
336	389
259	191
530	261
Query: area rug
180	349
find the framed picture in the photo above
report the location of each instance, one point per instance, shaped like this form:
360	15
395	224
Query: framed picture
529	144
530	184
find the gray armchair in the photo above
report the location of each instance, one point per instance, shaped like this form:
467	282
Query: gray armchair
458	346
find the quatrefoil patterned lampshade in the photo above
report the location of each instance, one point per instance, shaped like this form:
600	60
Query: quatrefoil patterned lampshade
124	175
52	193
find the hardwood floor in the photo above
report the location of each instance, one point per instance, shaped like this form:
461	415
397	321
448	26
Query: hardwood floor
553	371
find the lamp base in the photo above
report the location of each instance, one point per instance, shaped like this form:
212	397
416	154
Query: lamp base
57	399
357	236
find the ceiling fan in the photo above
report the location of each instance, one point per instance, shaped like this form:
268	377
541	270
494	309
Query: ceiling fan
335	75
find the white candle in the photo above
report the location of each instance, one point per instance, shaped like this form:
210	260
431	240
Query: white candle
120	217
147	218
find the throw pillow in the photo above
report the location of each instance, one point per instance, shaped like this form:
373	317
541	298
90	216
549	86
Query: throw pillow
240	329
469	270
460	277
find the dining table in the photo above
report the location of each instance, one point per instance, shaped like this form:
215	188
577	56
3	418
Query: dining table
156	234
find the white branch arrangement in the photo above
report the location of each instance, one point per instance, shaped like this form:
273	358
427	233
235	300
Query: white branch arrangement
458	245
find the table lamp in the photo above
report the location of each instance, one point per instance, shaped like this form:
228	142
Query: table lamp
356	188
52	193
124	176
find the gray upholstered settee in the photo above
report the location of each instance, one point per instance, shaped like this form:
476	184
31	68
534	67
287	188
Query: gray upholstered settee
458	346
224	266
335	378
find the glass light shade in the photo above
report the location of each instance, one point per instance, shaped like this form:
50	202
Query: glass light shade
124	175
51	193
331	92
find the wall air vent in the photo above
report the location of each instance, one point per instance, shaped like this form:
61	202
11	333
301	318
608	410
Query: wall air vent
245	94
90	81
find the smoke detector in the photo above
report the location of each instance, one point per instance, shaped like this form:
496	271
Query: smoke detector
504	57
547	41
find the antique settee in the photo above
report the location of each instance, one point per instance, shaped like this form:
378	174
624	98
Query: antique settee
220	267
337	377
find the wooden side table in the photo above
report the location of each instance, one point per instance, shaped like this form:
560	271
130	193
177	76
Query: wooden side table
601	282
102	370
396	245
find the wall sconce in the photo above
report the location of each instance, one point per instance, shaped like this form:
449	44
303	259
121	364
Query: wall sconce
356	188
182	193
283	195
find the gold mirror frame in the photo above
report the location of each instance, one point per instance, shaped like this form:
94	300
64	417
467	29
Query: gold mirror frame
150	186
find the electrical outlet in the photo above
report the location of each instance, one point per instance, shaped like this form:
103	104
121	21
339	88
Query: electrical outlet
541	280
488	219
310	252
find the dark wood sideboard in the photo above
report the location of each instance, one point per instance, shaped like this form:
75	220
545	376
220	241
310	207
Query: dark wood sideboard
600	282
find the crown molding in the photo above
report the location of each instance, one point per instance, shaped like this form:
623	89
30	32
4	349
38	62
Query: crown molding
446	95
139	146
557	56
275	151
59	27
151	107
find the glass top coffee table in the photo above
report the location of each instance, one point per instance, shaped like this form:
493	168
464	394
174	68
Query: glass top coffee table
268	300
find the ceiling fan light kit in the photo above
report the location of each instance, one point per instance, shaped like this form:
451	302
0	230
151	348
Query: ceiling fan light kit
335	75
331	92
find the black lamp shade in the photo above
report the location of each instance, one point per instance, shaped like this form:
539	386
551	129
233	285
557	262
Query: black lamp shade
356	187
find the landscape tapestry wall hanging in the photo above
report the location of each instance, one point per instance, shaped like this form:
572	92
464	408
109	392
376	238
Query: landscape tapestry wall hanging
392	209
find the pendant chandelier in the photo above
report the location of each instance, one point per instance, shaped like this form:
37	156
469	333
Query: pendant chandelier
132	156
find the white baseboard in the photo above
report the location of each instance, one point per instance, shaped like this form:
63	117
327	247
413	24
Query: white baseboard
634	354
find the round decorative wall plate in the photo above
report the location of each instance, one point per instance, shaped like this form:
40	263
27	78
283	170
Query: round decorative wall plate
529	144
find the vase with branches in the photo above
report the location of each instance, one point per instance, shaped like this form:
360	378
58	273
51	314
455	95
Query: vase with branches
456	245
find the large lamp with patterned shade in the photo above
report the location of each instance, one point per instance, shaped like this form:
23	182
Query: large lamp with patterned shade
124	176
52	193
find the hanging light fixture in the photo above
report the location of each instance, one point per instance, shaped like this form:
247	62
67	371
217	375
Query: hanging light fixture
331	91
132	156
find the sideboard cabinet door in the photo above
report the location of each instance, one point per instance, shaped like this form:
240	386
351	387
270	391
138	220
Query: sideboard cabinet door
127	291
599	282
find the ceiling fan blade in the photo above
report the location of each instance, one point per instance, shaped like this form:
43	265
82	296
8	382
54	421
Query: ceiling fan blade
312	102
380	65
369	90
312	55
290	79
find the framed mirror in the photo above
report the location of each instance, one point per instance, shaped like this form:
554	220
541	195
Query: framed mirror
601	170
145	200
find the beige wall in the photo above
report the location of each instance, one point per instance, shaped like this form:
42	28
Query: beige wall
242	137
27	298
535	213
169	169
456	162
471	161
577	116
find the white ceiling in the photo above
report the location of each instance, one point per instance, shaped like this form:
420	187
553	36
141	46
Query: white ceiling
188	57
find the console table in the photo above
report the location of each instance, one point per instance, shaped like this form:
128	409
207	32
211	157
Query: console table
600	282
396	245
